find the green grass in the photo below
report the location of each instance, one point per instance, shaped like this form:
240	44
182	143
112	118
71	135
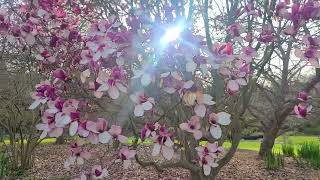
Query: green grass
253	145
44	141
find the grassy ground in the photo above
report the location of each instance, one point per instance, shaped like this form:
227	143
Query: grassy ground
253	145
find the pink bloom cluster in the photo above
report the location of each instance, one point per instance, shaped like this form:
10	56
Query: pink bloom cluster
311	53
303	108
208	156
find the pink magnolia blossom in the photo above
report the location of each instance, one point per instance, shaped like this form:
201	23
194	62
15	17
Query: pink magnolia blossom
310	55
64	110
142	103
221	53
94	86
99	173
86	57
311	41
84	75
44	91
145	75
48	126
115	131
235	77
266	35
98	131
113	83
302	110
163	143
101	47
77	154
303	96
195	62
200	103
45	55
207	156
172	82
28	32
60	74
247	54
99	29
221	118
126	155
235	30
148	130
82	130
193	126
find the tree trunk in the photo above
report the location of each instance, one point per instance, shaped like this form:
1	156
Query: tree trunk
199	176
60	140
268	140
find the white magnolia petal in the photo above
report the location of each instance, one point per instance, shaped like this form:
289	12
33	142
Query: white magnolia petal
123	139
224	118
113	92
34	104
167	152
104	137
216	131
169	90
207	99
138	110
147	105
200	110
121	87
103	87
43	134
156	149
206	170
169	142
73	128
241	81
188	84
233	85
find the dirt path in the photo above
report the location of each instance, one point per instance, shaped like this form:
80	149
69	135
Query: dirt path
244	166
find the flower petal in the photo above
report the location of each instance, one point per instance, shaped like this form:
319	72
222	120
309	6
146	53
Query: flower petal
156	149
224	118
123	139
34	104
147	105
216	131
167	152
138	110
104	137
113	92
200	110
207	99
206	170
73	128
197	134
233	85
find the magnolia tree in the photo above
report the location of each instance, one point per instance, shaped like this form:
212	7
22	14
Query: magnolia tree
153	66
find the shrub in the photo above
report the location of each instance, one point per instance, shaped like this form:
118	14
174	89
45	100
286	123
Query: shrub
4	165
274	160
309	154
288	150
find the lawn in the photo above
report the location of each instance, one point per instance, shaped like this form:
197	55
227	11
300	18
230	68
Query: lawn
253	145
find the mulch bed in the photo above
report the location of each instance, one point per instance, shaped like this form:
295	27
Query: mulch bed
245	165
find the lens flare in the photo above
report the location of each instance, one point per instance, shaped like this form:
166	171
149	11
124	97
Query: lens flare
171	34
